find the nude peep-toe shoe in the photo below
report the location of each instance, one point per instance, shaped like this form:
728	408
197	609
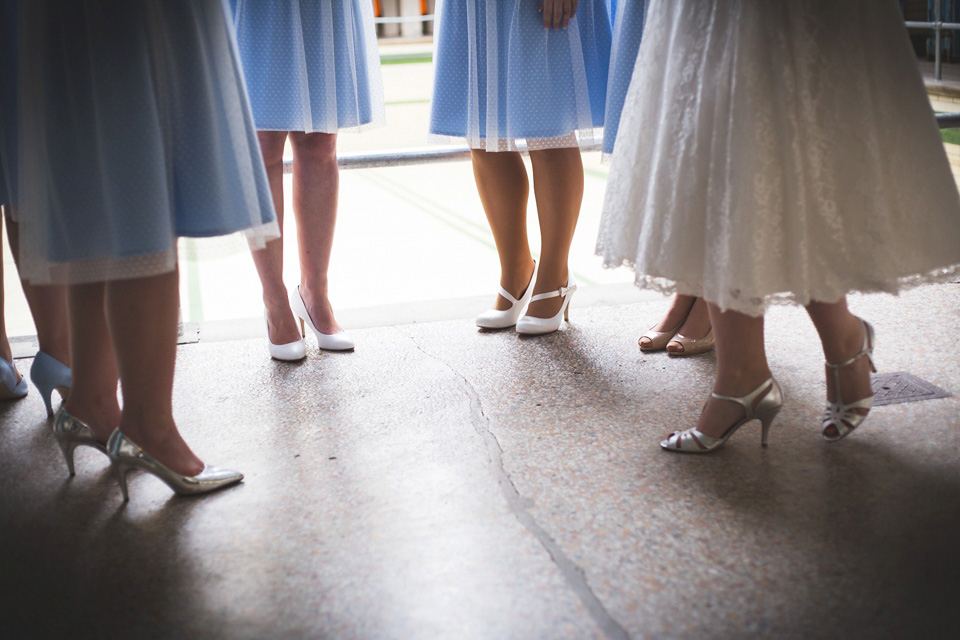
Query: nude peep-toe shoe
691	346
659	339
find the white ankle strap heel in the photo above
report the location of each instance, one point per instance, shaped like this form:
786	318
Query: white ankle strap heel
531	326
496	319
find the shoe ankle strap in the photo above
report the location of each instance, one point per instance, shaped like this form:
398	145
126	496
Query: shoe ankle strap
561	292
747	401
507	296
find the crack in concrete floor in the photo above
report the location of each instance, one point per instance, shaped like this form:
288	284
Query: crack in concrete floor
572	574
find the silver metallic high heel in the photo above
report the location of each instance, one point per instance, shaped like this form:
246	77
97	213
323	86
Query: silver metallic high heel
839	414
695	441
126	456
71	433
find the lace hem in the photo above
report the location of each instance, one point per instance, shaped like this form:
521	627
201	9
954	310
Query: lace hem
755	303
585	140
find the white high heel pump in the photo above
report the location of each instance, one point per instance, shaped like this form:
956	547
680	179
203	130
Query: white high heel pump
340	341
290	352
496	319
531	326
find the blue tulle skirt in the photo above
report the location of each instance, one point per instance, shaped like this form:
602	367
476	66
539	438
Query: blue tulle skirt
630	17
310	65
135	131
503	81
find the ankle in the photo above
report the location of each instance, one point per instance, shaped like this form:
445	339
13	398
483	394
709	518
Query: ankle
741	381
276	299
314	293
515	278
102	415
844	343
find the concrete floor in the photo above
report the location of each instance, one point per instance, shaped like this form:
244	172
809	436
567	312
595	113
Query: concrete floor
445	483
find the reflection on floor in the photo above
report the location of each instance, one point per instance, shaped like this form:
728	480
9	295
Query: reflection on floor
445	483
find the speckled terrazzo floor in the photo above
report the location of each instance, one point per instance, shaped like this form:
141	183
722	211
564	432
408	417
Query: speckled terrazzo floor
446	483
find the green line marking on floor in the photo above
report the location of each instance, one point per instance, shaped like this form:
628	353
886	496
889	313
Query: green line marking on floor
594	173
432	209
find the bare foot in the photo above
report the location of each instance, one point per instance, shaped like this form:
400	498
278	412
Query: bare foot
162	440
548	307
516	283
282	326
719	415
102	415
320	310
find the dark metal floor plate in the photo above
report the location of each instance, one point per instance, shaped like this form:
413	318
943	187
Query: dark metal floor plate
900	386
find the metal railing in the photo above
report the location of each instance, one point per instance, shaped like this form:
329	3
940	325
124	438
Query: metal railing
403	19
459	153
938	26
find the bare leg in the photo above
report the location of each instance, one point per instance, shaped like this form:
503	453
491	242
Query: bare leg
93	396
842	337
558	185
741	367
316	185
142	316
504	190
5	352
48	306
269	260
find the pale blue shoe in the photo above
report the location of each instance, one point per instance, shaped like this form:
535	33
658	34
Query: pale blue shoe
10	387
49	374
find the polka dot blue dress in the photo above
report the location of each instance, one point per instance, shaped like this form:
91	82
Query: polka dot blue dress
504	82
8	102
310	65
627	33
135	130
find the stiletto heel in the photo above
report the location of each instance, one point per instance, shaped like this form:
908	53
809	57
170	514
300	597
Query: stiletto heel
328	341
840	415
71	433
531	326
48	375
765	422
10	387
121	470
126	456
766	410
496	319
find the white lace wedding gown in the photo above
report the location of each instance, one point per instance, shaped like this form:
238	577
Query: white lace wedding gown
774	150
